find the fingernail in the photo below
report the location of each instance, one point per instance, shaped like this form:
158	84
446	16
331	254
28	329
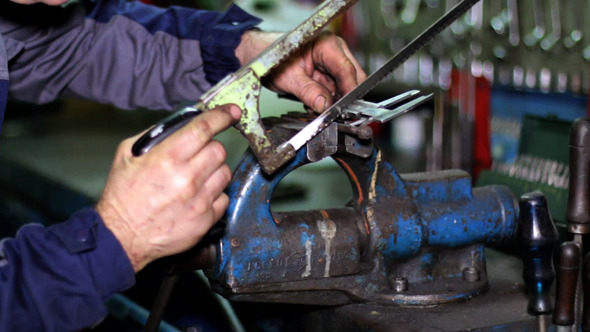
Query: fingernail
235	112
320	103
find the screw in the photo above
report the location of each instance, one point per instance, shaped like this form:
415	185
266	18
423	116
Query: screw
471	274
400	284
365	132
235	242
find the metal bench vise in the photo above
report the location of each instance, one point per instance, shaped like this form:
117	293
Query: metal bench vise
403	239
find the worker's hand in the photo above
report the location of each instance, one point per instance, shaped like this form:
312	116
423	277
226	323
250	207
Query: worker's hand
163	202
47	2
322	71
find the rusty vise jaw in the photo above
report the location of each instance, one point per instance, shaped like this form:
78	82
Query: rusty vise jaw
350	133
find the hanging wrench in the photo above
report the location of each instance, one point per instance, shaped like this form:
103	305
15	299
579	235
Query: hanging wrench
550	40
576	34
410	11
538	32
513	28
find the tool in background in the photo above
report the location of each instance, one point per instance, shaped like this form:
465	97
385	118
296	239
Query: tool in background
577	32
538	32
243	88
554	36
538	269
540	164
537	237
533	44
568	270
578	207
585	321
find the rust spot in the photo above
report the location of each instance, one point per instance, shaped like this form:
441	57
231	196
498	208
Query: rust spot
235	242
275	220
388	182
498	222
354	179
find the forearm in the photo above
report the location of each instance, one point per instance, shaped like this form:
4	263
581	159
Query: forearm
57	278
253	42
123	53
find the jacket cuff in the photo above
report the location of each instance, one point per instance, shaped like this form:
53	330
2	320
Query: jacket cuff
220	40
85	234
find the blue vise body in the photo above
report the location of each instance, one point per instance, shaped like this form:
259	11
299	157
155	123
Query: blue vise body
411	239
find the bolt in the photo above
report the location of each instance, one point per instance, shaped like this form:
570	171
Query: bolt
400	284
235	242
365	132
471	274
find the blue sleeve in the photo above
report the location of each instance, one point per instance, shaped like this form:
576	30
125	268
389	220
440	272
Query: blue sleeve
58	278
124	53
218	33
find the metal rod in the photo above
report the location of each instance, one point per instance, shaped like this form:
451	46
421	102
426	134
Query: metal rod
161	301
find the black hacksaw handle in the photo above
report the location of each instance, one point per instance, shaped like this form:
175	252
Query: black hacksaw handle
163	129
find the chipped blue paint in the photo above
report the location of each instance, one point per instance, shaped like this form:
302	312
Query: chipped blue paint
440	186
479	220
253	191
305	238
405	240
397	216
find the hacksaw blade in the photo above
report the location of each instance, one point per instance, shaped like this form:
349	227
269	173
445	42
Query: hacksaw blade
327	117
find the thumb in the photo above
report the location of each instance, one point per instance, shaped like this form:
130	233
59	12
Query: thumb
312	93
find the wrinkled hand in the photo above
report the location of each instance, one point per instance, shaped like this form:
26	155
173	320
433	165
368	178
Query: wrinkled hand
163	202
319	73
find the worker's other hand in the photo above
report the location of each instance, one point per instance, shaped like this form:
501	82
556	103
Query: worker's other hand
319	73
47	2
163	202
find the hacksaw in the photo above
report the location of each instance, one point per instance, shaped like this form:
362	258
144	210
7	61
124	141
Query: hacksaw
244	86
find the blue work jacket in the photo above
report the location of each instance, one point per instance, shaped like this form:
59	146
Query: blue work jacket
124	53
